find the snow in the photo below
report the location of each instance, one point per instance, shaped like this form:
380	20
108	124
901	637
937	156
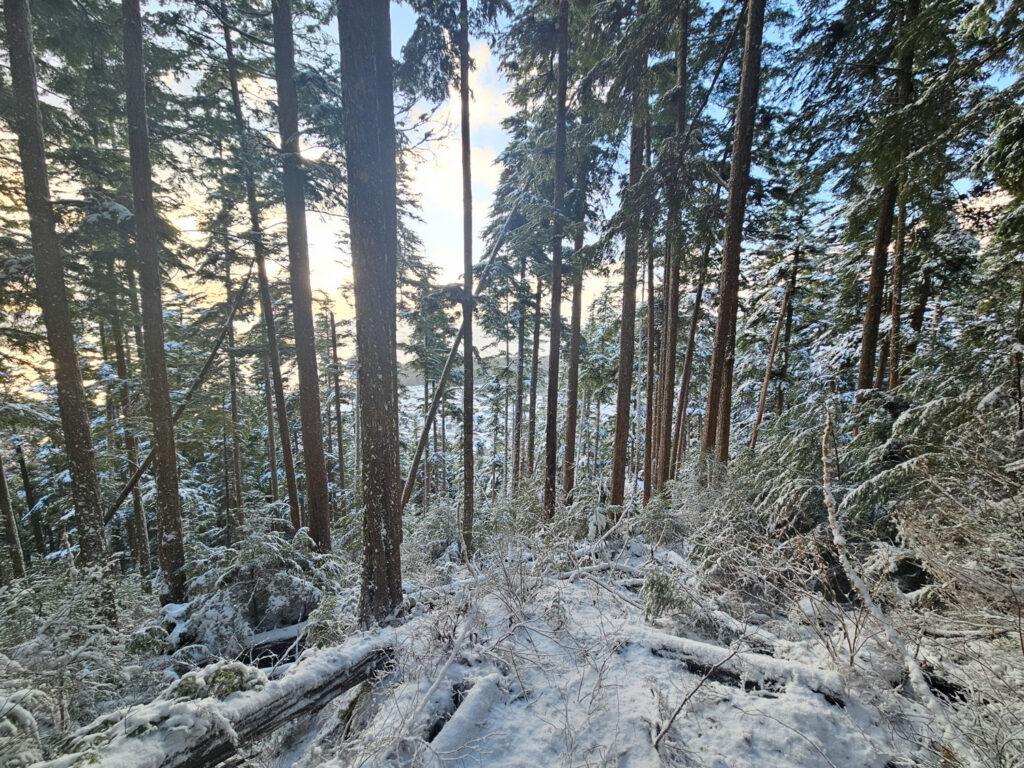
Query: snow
515	664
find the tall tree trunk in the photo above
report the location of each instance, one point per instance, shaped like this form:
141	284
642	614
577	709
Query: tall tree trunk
719	411
337	412
787	338
768	368
551	414
266	303
895	340
468	408
236	453
650	378
426	452
50	288
876	288
673	257
627	340
141	543
683	405
38	534
11	527
268	405
170	539
534	370
373	222
881	368
317	501
883	231
517	415
572	384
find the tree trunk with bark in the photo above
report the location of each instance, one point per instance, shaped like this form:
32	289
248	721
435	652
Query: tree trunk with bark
17	557
573	374
719	410
517	414
531	453
236	451
39	535
273	356
683	405
895	339
650	379
50	288
762	399
318	498
673	257
367	93
627	341
268	406
886	213
170	538
468	407
337	411
554	350
140	545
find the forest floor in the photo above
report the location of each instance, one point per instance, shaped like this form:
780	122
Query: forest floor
613	652
509	668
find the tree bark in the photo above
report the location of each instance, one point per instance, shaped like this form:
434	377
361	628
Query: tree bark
895	339
673	255
876	288
266	303
517	415
170	539
719	411
468	407
367	93
650	379
317	501
534	369
787	337
268	405
50	288
141	530
236	453
883	231
683	405
627	341
337	412
11	527
551	414
38	533
768	369
572	384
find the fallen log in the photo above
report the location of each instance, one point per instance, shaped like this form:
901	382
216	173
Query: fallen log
750	671
182	732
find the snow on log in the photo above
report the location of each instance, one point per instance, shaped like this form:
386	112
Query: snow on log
745	670
453	746
178	730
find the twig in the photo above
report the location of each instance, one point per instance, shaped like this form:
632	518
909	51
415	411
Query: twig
689	696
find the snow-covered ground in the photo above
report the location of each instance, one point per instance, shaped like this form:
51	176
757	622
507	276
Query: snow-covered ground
517	662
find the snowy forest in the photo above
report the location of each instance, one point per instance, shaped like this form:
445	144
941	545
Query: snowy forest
511	383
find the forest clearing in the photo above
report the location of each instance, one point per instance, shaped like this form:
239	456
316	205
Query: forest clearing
511	383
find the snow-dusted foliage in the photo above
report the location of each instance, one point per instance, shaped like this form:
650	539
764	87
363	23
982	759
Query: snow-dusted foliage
73	646
262	582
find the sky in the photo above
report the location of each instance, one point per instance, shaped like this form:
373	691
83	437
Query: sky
437	179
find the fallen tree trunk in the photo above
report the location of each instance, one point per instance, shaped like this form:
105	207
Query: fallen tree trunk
202	732
749	671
